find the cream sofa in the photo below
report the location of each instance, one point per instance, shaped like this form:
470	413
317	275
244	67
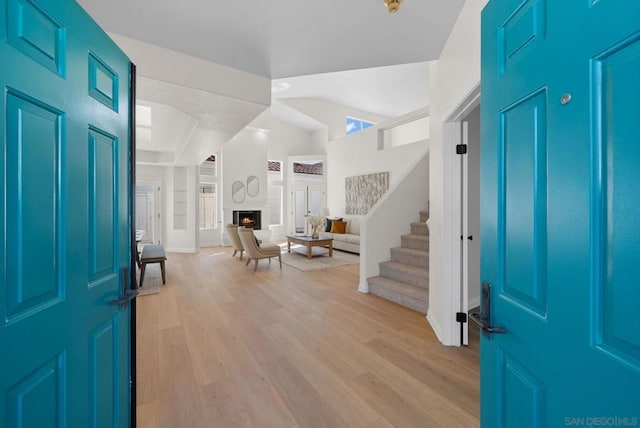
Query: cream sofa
348	241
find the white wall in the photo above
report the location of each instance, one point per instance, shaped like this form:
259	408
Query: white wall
175	240
358	154
184	240
331	114
248	153
245	155
185	70
452	78
391	217
286	140
407	133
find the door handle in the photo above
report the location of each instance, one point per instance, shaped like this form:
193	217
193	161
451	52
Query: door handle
477	318
127	294
483	319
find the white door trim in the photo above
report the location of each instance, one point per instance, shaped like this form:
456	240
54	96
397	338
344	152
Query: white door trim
452	212
158	221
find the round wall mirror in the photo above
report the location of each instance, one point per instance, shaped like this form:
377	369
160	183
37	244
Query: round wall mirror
237	191
253	186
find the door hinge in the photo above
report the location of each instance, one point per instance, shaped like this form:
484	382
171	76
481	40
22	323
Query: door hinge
461	149
461	317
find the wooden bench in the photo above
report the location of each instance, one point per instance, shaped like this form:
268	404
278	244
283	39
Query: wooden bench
152	254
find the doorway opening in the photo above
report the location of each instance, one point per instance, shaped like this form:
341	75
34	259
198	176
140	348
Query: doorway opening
308	191
461	134
148	210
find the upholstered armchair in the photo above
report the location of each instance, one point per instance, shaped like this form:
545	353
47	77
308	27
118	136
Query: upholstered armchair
255	252
232	231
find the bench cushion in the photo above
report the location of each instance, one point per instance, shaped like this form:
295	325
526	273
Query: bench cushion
152	252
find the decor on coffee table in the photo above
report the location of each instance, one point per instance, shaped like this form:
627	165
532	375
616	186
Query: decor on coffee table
316	222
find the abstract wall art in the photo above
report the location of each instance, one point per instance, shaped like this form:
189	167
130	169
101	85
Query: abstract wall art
363	191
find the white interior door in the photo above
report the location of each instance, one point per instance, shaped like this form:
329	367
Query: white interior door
308	199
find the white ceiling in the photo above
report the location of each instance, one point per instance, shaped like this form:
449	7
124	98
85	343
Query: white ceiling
353	53
389	91
284	38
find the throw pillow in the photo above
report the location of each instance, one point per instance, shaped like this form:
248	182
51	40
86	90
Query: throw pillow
338	226
328	223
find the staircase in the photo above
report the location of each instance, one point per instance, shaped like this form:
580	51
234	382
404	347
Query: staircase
405	278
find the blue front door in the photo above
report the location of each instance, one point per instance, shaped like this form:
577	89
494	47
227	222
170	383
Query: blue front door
64	121
561	212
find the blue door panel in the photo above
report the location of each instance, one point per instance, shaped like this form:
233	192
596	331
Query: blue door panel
522	207
64	120
103	378
103	82
103	197
32	245
523	396
616	88
39	400
561	212
37	34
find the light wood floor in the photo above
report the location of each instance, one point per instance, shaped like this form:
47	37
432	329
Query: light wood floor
222	346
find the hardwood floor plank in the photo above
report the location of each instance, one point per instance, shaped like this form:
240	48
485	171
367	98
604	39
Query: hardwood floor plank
342	399
307	406
265	407
446	382
391	406
208	366
223	346
180	400
148	415
148	369
224	407
380	423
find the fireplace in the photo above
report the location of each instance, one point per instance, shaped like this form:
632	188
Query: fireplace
247	219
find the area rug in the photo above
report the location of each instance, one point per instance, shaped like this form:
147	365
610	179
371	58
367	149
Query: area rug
152	280
297	259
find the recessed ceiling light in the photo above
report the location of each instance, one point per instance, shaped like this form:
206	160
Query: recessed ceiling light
280	86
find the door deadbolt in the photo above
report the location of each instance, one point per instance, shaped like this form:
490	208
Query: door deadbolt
565	99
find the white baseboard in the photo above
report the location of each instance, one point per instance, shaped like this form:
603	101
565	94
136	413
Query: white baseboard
363	287
435	325
181	250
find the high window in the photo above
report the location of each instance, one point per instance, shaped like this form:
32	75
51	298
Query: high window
355	125
275	188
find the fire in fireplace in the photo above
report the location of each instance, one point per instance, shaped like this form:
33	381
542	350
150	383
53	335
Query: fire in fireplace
247	219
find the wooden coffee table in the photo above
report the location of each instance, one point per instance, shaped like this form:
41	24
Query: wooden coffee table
310	242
